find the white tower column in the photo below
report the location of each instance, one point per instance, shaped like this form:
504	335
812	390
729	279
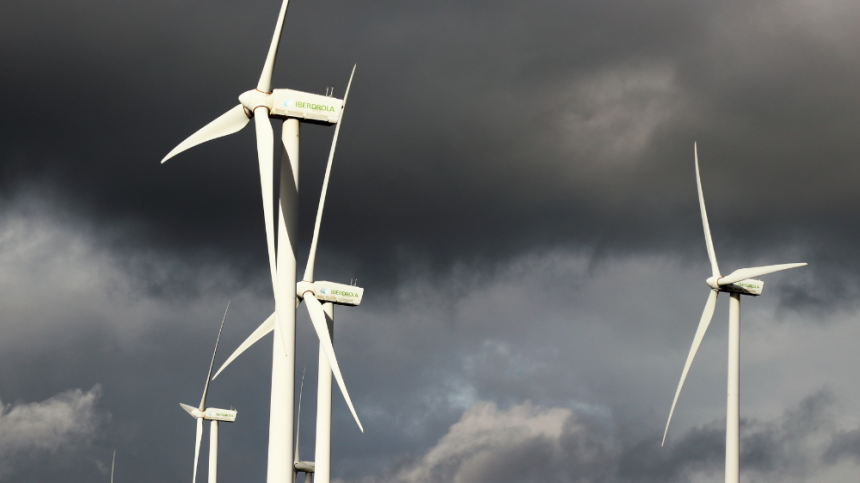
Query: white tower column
322	455
280	462
213	452
733	398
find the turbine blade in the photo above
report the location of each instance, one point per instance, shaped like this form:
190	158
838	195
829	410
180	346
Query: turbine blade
321	327
209	376
197	447
707	314
265	83
299	419
265	155
309	269
715	269
228	123
267	326
745	273
112	464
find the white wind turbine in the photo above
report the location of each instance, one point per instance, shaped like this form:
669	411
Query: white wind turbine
740	282
211	414
306	467
293	106
322	317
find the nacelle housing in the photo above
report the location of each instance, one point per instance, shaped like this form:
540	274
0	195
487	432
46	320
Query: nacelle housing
215	414
305	106
749	286
336	293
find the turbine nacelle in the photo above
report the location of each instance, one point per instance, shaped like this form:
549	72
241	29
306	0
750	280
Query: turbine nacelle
745	287
289	103
336	293
211	414
748	286
225	415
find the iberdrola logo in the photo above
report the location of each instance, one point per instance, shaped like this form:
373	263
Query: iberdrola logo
308	105
315	107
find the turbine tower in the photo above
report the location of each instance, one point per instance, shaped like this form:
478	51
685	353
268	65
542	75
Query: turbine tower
213	415
740	282
261	104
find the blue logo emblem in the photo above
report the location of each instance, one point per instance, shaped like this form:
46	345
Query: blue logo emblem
287	103
323	291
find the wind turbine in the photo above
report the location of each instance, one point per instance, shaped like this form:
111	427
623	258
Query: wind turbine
211	414
306	467
322	317
263	103
740	282
112	464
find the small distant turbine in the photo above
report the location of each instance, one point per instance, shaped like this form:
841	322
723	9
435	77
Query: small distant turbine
306	467
211	414
112	463
740	282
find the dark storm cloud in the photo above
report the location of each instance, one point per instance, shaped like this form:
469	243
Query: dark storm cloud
475	132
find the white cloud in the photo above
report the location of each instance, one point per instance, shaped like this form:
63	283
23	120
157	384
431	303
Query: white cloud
487	439
68	419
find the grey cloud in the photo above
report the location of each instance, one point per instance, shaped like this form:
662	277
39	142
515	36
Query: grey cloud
526	442
65	422
602	339
844	445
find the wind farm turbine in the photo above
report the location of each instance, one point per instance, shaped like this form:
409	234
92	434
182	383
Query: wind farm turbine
740	282
213	415
263	103
306	467
322	317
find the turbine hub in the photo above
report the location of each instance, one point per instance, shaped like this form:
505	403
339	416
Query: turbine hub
253	99
712	282
304	286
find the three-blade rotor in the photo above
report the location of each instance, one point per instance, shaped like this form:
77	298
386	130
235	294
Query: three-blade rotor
315	310
255	103
717	283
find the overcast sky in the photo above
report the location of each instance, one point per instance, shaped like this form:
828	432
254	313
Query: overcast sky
514	188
